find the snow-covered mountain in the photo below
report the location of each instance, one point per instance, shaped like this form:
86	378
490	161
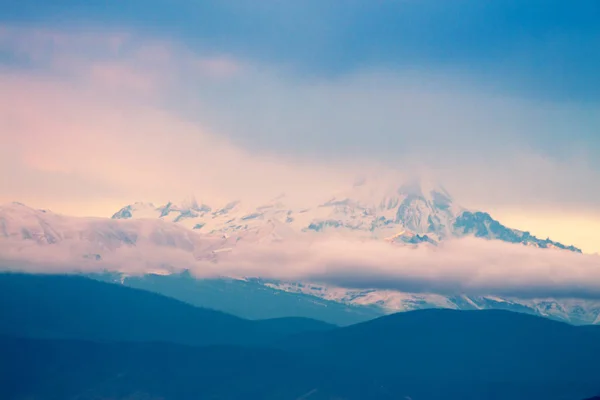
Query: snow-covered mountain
143	238
406	214
38	237
575	311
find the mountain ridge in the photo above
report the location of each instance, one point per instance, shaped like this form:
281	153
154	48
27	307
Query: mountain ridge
76	307
425	354
406	214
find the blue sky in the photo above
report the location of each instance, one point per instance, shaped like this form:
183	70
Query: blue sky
500	98
547	50
535	47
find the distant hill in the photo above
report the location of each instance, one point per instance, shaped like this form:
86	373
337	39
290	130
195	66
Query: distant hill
69	337
67	369
458	349
73	307
60	369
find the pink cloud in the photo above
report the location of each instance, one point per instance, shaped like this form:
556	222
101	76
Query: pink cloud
95	111
468	265
61	132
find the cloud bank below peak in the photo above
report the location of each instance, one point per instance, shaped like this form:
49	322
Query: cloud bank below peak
469	265
462	266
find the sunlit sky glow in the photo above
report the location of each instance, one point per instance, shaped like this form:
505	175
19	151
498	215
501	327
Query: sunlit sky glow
103	104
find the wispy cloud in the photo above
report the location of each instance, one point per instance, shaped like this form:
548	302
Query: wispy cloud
100	116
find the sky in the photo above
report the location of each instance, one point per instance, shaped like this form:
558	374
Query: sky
103	103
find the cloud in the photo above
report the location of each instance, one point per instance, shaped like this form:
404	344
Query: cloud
99	118
93	118
516	47
461	266
473	266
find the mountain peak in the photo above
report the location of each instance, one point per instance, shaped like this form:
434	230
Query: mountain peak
427	189
381	193
376	207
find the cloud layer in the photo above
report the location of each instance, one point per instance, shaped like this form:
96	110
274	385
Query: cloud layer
44	242
473	266
462	266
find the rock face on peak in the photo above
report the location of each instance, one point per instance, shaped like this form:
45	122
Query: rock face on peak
139	210
381	212
482	225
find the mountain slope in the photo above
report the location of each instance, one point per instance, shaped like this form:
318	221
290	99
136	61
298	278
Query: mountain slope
43	241
72	307
160	243
248	298
574	311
